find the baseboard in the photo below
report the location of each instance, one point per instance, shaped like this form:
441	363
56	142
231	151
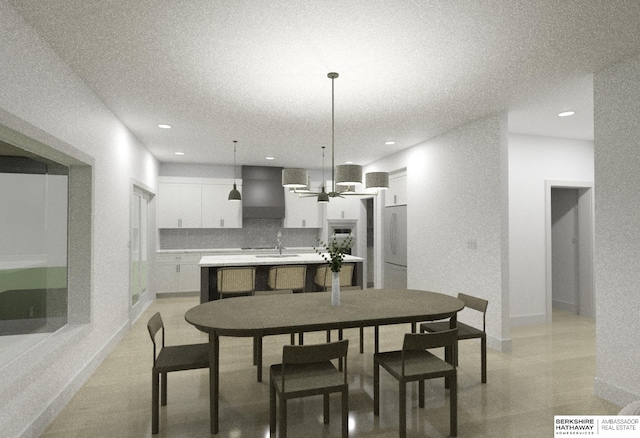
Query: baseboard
501	345
39	425
176	294
522	320
567	307
613	394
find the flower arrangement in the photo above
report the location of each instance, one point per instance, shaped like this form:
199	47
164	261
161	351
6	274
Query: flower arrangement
334	252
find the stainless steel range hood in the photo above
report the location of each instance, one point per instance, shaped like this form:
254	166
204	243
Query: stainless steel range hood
262	193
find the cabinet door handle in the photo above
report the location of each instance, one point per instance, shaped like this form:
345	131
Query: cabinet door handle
222	222
177	269
304	223
179	223
342	214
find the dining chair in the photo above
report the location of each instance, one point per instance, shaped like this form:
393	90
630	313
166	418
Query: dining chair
167	359
466	331
323	277
237	281
307	370
415	363
285	277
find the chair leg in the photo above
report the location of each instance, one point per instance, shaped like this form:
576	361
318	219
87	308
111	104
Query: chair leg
301	338
345	413
164	389
272	408
155	402
453	396
402	410
483	358
293	339
282	420
421	393
376	388
361	340
325	403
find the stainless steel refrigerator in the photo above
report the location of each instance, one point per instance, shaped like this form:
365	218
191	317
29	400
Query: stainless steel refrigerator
395	247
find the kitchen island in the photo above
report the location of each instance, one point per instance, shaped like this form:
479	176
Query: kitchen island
209	268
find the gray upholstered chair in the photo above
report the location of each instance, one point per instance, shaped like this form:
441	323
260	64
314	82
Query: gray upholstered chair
465	331
415	363
238	281
307	370
167	359
286	277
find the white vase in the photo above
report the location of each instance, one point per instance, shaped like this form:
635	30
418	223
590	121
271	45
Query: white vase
335	288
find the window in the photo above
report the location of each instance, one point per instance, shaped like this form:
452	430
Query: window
33	243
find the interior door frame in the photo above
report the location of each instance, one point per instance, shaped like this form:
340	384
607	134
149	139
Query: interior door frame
586	239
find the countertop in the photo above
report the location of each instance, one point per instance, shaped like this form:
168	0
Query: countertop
287	258
288	249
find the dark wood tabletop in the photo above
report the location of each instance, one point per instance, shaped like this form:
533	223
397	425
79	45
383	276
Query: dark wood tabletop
259	316
279	314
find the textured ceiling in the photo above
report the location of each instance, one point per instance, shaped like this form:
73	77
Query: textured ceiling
255	71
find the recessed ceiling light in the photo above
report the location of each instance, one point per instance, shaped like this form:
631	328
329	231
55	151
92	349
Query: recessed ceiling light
389	142
270	158
163	126
566	113
179	153
348	162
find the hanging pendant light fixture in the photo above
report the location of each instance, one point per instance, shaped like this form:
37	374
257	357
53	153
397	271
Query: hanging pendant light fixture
344	177
234	195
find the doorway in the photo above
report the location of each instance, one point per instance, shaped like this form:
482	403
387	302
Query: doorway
570	249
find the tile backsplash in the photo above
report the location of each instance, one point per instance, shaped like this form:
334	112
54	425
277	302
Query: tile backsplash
255	233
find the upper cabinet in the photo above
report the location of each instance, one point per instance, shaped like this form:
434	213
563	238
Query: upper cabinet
197	203
347	207
397	192
217	210
179	205
302	212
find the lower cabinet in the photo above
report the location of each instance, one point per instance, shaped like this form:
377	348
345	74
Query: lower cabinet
178	273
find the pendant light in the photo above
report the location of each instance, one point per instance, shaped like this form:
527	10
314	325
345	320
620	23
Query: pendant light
234	195
323	197
344	177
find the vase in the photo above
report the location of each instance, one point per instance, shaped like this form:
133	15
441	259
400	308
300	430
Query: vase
335	288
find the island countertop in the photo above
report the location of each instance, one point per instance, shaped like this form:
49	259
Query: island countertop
209	265
268	259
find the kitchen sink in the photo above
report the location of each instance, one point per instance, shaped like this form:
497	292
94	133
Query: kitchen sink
276	255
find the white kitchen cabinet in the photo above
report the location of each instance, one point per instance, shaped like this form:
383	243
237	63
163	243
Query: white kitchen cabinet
179	205
178	272
343	208
217	210
301	212
397	192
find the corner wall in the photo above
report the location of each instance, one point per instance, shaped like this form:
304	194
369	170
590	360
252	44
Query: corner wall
42	99
617	231
457	217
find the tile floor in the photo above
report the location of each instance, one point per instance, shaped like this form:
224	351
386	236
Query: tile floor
549	372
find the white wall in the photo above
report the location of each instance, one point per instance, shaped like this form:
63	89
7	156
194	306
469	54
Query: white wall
42	99
532	161
457	192
617	235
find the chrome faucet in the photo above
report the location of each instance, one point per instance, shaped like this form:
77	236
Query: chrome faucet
279	243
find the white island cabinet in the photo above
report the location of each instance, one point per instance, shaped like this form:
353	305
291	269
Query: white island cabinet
178	272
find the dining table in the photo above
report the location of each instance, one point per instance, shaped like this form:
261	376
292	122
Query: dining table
259	316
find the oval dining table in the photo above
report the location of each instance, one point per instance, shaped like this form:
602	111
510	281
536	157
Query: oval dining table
259	316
